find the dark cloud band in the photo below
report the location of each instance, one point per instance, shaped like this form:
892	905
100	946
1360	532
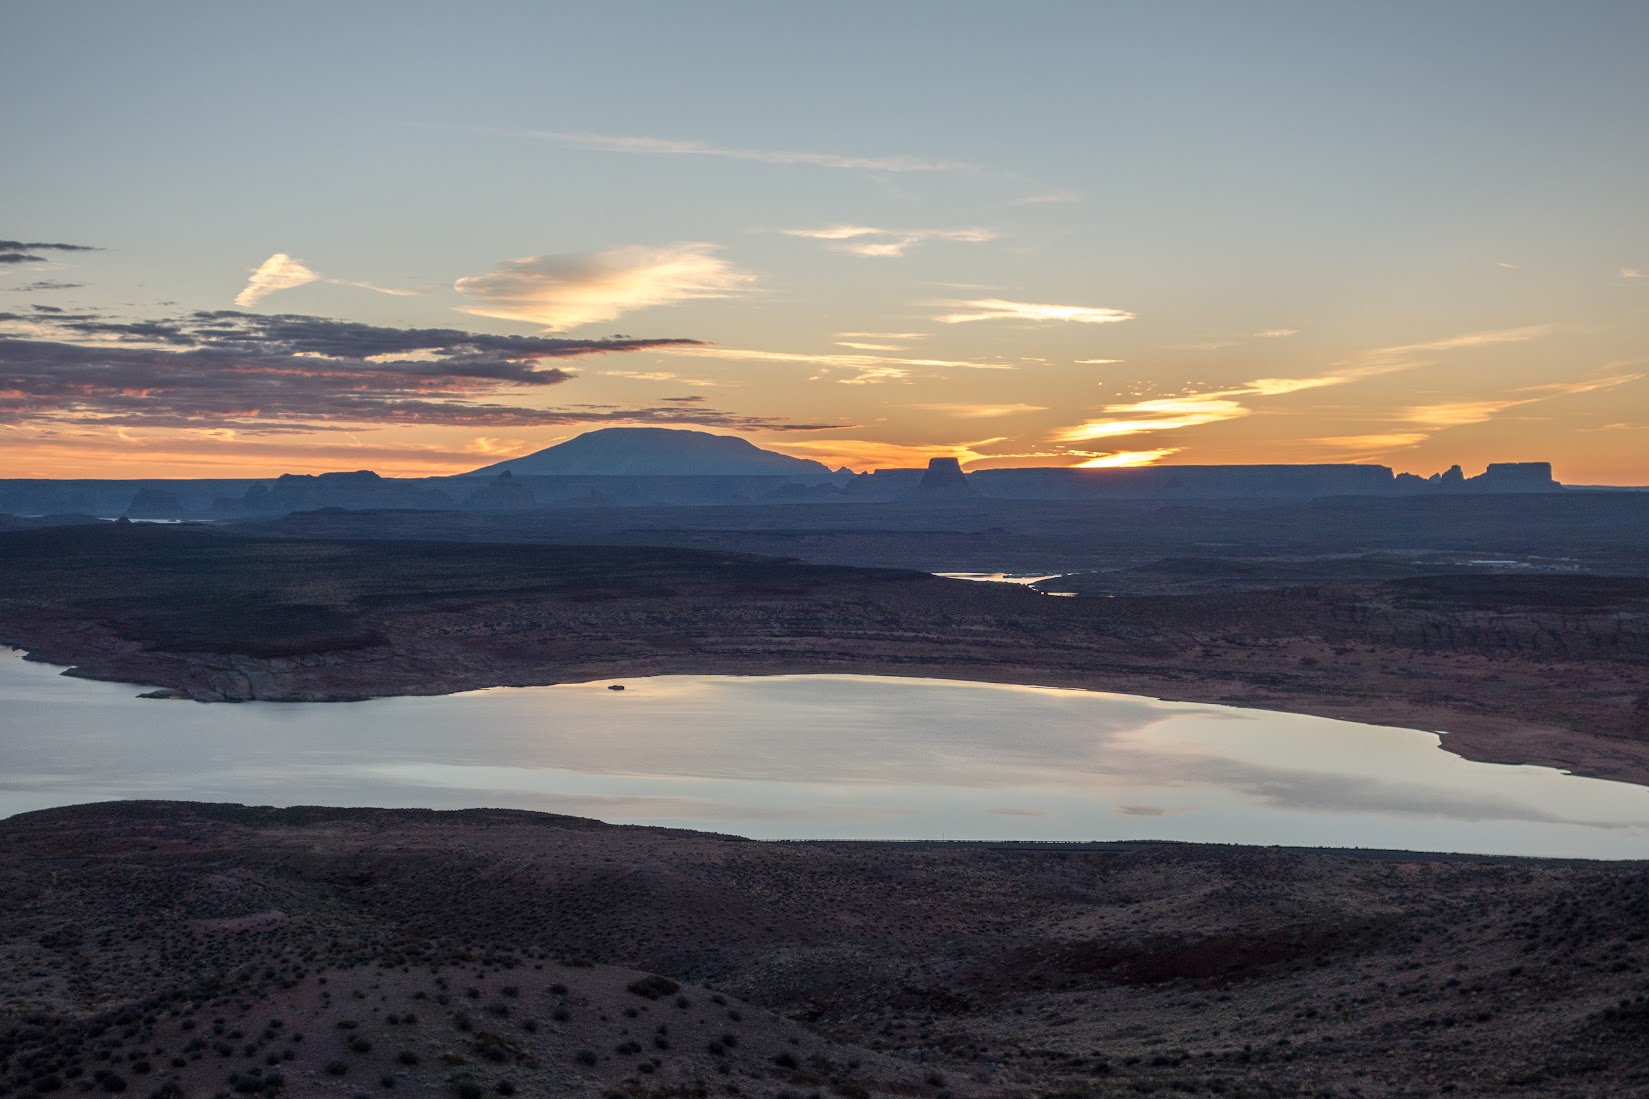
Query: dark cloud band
277	373
43	246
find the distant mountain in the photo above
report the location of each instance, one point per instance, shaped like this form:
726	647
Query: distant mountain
654	451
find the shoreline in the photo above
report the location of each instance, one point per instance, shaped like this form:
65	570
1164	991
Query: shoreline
1479	737
1520	670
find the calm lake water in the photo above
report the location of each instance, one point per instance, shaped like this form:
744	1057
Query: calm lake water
815	756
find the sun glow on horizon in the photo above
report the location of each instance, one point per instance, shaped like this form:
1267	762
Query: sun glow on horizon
1127	459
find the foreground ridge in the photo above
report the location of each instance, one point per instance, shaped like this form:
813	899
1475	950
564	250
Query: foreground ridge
311	950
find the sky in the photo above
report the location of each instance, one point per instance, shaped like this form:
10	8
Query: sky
242	240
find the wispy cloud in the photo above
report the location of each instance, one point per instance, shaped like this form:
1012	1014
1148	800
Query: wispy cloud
866	240
874	454
1493	338
1458	413
861	369
44	246
1197	409
279	272
1097	362
1127	459
567	291
996	309
26	251
45	284
1277	333
1159	414
1463	413
1043	198
1380	441
282	272
641	375
982	411
1631	272
882	335
677	147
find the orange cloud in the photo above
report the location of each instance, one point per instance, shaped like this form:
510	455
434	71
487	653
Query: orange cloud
996	309
1126	459
1161	414
982	411
568	291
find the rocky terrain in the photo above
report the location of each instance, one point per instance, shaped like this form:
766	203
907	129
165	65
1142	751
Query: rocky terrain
172	949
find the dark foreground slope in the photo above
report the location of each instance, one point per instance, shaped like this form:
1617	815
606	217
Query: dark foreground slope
1528	668
192	950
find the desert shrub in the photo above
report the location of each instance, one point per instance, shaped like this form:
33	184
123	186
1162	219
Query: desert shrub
586	1057
653	986
337	1068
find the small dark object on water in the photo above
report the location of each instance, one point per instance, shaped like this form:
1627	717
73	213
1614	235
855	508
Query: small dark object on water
616	687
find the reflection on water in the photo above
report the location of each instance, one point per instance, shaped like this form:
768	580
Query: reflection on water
1025	579
815	756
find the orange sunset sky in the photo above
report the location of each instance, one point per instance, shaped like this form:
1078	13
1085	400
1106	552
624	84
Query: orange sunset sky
419	239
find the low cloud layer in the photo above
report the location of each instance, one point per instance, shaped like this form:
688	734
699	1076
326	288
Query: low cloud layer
43	285
568	291
28	251
284	373
1199	409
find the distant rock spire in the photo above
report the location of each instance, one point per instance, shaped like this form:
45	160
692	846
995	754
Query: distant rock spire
944	478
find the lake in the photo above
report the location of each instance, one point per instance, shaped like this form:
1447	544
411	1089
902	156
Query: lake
827	756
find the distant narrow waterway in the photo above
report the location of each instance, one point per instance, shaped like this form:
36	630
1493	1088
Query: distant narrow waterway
815	756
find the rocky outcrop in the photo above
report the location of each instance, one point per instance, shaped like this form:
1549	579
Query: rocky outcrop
1516	477
502	493
154	503
944	479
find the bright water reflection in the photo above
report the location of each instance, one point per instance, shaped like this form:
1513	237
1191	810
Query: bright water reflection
812	756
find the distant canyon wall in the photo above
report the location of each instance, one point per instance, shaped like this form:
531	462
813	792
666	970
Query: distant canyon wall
256	498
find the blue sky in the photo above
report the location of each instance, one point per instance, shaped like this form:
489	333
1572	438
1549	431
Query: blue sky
1407	233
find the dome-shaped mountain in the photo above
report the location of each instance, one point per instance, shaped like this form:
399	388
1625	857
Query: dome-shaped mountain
655	451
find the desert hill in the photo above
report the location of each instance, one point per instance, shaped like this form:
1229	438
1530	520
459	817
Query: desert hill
653	452
179	950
